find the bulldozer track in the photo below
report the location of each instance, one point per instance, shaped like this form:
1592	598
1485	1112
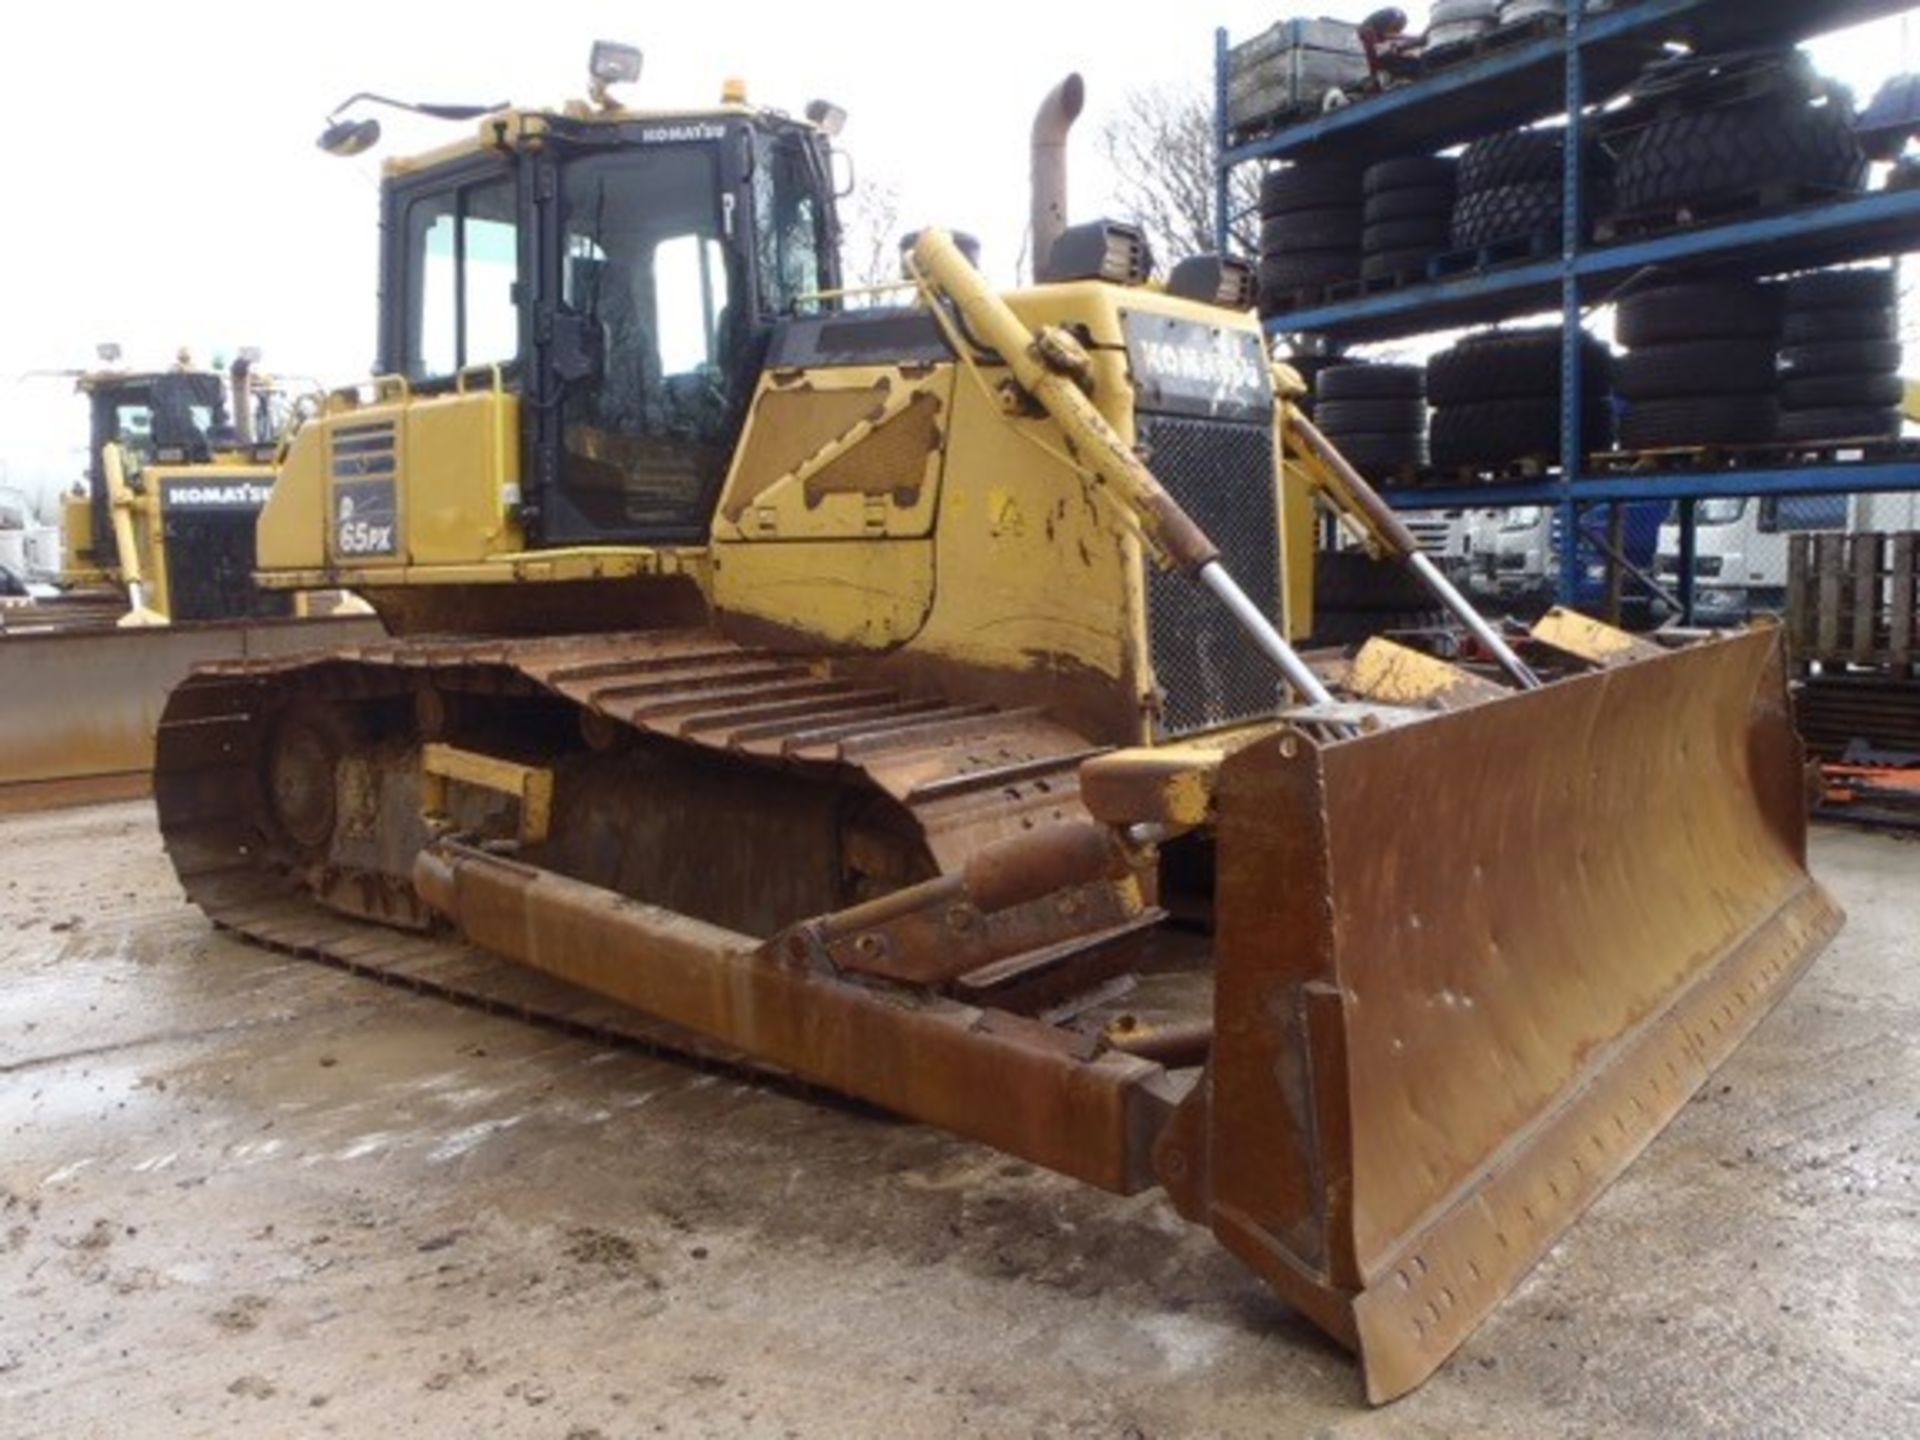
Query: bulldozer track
966	773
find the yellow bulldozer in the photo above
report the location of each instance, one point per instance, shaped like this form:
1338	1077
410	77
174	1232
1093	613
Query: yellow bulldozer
179	463
905	698
156	575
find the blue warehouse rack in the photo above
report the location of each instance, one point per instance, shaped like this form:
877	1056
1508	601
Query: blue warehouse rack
1564	73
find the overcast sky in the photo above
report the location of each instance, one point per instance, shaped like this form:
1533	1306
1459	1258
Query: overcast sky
164	188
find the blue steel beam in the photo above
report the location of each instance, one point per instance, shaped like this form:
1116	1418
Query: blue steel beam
1572	228
1884	217
1522	84
1840	479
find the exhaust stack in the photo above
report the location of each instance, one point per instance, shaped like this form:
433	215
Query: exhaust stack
1051	122
240	382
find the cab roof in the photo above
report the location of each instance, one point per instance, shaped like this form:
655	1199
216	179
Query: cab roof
517	128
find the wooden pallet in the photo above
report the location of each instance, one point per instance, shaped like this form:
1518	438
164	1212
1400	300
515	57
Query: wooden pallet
1306	297
1398	280
1514	250
1716	210
1446	265
1853	602
1522	470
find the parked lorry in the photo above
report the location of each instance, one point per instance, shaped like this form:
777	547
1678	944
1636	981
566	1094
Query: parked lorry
1516	559
1741	545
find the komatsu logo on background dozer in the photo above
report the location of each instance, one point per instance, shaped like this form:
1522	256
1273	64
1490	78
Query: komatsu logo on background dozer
220	495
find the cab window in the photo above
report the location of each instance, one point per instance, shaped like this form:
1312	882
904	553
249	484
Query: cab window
1789	514
463	258
648	269
791	236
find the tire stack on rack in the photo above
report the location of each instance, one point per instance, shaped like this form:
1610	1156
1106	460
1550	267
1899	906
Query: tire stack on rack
1308	368
1697	373
1408	216
1510	188
1518	12
1376	415
1496	399
1717	135
1310	223
1356	597
1454	25
1840	360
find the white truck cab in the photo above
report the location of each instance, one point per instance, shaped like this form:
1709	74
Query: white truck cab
1445	535
1513	557
1741	545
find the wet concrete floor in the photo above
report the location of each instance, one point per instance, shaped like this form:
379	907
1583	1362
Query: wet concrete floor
240	1193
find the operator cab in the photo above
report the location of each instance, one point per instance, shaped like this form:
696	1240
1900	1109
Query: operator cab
175	416
624	272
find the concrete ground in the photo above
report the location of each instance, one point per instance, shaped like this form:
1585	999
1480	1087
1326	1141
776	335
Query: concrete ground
239	1192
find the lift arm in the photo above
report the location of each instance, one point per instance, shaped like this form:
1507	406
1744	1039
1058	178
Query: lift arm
1053	368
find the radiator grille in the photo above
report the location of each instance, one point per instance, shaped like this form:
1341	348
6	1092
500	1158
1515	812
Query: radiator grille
1222	473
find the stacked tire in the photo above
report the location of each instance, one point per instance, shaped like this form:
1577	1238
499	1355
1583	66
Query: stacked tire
1356	597
1518	12
1454	25
1309	368
1510	186
1310	224
1408	215
1697	372
1376	415
1496	400
1840	358
1720	152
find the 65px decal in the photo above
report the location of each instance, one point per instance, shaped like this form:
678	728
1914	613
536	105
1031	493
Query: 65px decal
365	521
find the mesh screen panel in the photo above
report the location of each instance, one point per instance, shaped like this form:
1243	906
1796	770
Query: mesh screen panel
1207	669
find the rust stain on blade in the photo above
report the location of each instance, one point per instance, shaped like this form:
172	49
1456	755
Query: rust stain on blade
1424	1025
1591	640
1393	674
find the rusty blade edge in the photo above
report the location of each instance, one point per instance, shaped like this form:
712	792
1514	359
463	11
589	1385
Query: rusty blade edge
1449	1275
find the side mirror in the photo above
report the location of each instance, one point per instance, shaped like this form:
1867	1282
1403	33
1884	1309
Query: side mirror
840	164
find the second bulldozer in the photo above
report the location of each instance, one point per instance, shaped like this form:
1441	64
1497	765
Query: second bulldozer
902	698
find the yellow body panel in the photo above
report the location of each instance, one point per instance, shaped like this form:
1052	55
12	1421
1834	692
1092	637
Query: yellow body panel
1298	544
455	466
839	594
1028	573
77	540
839	454
462	477
293	528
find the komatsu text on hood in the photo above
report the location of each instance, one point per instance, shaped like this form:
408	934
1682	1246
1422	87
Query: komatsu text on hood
1184	367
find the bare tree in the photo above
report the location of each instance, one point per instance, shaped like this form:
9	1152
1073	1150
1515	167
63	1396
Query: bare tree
1160	145
870	234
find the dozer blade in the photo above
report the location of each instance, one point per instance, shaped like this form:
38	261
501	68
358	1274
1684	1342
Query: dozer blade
1468	968
80	705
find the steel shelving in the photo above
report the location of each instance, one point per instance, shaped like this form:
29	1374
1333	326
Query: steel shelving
1563	73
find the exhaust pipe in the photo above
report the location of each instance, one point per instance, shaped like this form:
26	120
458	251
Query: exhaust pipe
1051	122
240	382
